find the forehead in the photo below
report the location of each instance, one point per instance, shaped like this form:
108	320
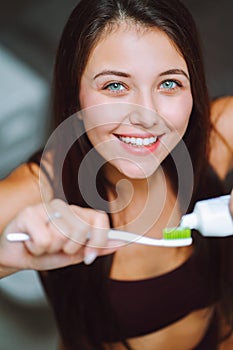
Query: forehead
124	39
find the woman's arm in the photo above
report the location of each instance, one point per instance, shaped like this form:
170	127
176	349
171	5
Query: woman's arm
76	235
18	190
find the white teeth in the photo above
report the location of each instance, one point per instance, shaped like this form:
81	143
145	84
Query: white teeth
138	141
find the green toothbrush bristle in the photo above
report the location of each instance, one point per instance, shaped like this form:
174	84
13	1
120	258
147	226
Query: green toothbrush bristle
176	233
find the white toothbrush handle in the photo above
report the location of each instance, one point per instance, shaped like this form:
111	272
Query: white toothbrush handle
122	236
17	237
135	238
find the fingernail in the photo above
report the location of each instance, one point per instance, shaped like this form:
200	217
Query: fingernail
89	258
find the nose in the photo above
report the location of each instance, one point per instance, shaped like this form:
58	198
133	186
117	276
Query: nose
144	112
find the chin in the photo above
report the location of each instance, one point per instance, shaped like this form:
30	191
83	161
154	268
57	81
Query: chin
136	172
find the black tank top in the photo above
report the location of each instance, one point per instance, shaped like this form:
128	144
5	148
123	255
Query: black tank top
145	306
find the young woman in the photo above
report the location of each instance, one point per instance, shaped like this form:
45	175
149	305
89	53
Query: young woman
133	158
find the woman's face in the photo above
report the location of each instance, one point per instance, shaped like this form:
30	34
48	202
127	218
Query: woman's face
137	85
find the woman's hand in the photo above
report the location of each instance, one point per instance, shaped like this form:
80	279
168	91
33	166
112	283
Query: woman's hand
60	235
231	204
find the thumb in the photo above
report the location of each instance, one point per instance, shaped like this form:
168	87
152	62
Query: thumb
90	253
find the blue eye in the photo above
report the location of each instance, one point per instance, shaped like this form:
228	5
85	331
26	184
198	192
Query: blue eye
115	87
169	85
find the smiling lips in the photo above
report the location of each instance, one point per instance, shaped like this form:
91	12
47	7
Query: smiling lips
139	141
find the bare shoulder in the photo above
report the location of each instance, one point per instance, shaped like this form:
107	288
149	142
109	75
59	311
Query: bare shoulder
20	189
222	117
221	105
225	333
221	138
227	344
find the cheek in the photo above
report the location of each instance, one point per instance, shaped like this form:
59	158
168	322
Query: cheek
86	96
86	100
178	114
106	117
181	119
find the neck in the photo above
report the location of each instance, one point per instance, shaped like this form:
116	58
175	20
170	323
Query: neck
140	205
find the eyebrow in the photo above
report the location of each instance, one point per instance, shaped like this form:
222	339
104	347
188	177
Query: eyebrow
175	71
126	75
112	72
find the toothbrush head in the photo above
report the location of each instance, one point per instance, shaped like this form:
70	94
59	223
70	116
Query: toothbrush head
176	233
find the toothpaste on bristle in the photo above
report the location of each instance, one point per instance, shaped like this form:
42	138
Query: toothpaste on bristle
176	233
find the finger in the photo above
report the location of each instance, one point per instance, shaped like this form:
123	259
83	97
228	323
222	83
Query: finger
111	247
32	221
73	228
54	261
77	242
98	237
45	237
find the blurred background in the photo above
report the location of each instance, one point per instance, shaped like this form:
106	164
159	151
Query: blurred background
29	34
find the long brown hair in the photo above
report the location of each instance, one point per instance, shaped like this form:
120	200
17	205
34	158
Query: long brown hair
77	293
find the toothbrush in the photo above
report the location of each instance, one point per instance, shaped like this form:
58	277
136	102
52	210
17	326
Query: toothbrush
175	237
215	222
